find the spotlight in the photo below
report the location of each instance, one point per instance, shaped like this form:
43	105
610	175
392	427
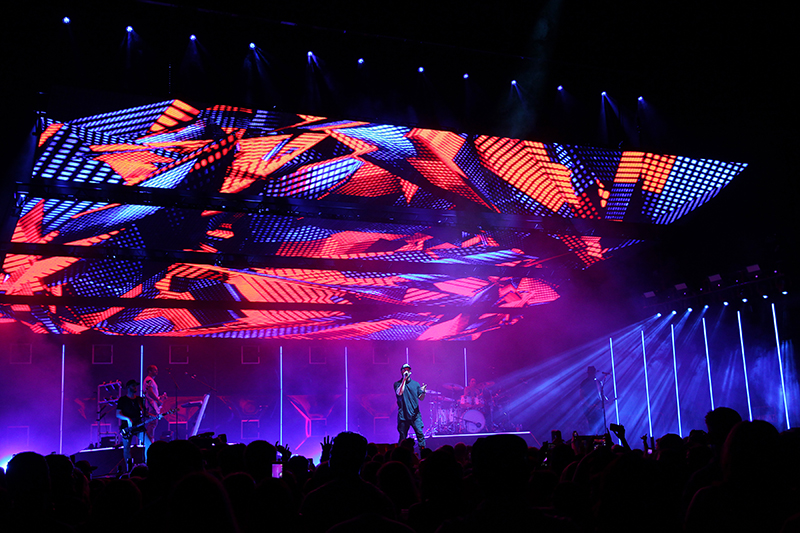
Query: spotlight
193	37
744	300
784	292
705	306
560	87
421	69
360	60
466	76
674	312
252	46
65	20
658	315
310	53
764	296
725	304
513	82
603	93
641	98
689	310
129	29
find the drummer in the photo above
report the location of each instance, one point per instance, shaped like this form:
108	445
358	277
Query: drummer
474	390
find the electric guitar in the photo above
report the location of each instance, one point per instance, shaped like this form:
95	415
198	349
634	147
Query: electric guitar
128	432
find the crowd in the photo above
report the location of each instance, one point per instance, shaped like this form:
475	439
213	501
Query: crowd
736	476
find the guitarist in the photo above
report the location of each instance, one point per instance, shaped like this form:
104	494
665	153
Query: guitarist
130	410
153	401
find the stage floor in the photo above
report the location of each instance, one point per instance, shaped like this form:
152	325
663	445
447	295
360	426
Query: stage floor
435	441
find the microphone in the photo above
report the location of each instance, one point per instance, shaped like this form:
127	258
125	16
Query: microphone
193	376
606	373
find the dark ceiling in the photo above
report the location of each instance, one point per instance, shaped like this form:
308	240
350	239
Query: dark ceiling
717	83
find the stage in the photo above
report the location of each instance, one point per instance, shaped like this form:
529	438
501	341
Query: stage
436	441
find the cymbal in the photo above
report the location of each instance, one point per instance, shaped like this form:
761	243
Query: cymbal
453	387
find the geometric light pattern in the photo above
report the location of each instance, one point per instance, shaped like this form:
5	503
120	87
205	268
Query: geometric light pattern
223	150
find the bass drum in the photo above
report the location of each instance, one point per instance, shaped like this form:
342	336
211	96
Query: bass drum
473	421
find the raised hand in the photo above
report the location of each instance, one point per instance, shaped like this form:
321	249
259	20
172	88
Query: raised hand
326	446
286	454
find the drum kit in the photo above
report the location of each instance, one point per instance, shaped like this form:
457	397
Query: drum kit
463	411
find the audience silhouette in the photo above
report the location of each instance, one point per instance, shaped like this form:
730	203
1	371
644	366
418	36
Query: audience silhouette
739	476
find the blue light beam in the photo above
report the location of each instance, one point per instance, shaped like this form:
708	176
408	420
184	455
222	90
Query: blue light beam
744	365
675	372
708	365
614	381
780	366
647	387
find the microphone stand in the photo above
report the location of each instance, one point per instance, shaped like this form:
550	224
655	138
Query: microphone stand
177	403
603	403
194	377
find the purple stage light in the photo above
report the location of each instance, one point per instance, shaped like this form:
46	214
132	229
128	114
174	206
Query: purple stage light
65	20
252	46
421	69
689	310
744	300
603	93
560	87
466	76
513	82
725	304
129	29
310	53
360	60
193	37
641	99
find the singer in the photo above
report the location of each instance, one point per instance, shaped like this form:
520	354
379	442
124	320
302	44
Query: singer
409	393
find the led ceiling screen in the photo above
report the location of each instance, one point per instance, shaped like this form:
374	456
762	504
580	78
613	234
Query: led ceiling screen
347	270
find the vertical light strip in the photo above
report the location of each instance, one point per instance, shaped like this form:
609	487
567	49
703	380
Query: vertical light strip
614	380
346	394
675	370
280	378
647	387
407	356
780	366
141	373
744	365
708	364
61	427
466	383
